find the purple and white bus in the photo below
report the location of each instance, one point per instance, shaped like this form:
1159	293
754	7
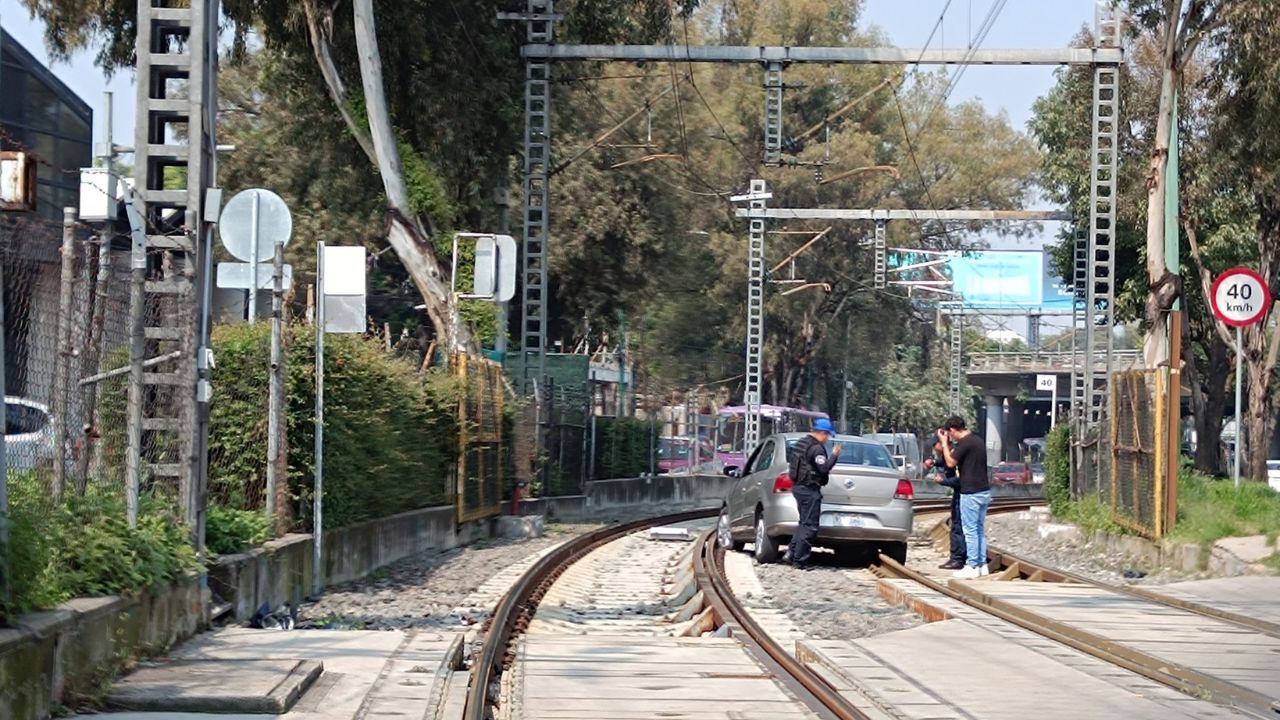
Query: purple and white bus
731	428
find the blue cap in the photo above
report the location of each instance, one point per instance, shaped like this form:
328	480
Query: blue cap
824	425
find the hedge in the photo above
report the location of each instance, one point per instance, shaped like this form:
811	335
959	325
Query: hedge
389	433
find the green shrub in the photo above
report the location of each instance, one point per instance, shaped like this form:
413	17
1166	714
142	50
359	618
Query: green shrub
389	434
624	448
1057	469
84	547
229	531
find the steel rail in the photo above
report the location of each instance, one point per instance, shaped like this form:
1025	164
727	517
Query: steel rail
517	606
807	685
1003	560
1178	677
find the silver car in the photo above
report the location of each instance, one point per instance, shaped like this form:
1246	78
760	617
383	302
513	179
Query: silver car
29	435
866	505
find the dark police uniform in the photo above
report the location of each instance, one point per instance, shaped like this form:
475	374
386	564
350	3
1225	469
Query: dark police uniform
812	466
951	479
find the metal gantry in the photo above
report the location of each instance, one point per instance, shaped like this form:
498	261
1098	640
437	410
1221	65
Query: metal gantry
755	315
174	145
1104	58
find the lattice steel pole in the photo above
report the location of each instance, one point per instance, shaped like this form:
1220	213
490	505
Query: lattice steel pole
1080	331
540	19
773	113
1103	160
882	251
755	317
957	357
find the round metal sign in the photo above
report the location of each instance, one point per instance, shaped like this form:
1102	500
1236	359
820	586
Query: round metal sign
1240	297
254	217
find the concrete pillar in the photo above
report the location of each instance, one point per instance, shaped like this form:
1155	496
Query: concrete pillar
1014	433
995	428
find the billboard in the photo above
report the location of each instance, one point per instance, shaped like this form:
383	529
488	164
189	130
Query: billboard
995	279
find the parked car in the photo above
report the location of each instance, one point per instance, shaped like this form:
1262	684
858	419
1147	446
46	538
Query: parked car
676	453
28	434
1011	473
865	506
1273	474
1037	473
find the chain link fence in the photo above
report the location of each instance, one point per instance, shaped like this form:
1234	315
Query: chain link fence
66	350
482	460
1124	464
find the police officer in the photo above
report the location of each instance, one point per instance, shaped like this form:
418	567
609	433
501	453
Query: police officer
947	476
811	465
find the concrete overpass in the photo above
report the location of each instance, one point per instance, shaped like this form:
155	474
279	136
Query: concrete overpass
1013	410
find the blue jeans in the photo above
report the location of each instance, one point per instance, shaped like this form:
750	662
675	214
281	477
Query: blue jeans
973	515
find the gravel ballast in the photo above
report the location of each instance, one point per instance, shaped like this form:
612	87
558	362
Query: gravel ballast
833	601
427	590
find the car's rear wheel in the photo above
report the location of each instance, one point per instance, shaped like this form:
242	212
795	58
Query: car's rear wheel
766	547
724	532
897	551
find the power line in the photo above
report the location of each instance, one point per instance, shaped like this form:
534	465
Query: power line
724	131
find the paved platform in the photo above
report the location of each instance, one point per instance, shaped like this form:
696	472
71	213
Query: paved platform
1214	648
1253	595
562	677
366	674
962	668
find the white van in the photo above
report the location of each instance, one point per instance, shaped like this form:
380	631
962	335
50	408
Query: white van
905	449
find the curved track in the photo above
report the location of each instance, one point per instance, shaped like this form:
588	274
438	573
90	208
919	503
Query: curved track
798	678
516	608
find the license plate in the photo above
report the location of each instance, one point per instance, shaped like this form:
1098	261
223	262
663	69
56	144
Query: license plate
844	520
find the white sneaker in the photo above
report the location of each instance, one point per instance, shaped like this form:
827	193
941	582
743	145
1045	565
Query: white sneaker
967	573
984	571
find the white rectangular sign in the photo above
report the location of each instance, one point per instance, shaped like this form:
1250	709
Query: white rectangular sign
345	269
1046	383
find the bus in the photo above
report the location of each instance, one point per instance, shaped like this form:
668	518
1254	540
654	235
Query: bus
731	428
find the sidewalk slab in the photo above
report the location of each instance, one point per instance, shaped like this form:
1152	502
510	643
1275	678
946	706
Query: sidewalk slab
216	686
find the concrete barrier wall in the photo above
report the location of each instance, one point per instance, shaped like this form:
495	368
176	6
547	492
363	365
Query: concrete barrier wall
281	571
608	499
51	659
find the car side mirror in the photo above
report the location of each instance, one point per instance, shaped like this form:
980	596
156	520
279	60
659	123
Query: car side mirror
733	471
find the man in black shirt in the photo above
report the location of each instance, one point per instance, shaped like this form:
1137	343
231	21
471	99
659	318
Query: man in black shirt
810	467
969	457
948	476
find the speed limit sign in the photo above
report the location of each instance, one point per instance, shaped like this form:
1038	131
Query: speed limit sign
1240	297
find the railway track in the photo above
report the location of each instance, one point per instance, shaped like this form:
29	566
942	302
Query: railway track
516	610
1006	566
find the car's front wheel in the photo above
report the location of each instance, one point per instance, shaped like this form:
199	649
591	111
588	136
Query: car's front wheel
724	532
766	547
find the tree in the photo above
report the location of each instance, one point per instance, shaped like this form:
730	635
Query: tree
1240	195
1179	26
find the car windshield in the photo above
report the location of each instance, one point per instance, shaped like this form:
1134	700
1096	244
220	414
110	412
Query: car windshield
866	454
673	450
1008	467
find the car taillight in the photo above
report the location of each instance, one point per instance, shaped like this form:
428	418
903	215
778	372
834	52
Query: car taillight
906	490
783	484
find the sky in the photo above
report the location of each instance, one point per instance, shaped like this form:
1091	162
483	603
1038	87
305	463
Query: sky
907	23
